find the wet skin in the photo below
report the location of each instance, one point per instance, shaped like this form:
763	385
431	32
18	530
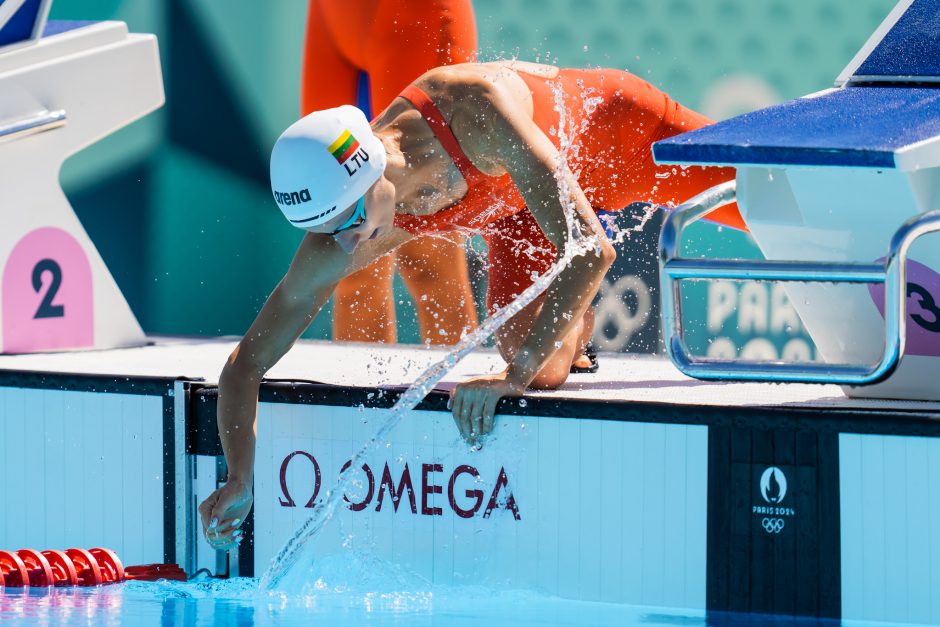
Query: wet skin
490	111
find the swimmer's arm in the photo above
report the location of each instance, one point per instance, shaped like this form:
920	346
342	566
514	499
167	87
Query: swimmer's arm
318	266
316	269
570	294
287	312
514	143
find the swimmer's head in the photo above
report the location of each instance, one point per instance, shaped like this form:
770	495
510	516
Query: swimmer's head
323	164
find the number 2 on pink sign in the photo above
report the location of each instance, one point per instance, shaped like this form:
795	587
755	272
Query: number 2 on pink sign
47	295
46	308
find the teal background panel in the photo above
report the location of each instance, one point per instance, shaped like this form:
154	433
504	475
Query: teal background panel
178	202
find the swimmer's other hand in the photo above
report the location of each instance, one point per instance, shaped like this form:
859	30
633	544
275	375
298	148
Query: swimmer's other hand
223	513
474	402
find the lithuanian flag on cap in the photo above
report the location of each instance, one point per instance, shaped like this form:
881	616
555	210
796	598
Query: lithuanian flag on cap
344	146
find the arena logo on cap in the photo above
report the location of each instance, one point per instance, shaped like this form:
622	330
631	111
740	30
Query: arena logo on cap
292	198
346	149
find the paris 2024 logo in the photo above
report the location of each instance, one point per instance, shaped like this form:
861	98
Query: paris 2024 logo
773	490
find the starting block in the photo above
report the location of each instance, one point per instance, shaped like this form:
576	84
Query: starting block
837	189
63	86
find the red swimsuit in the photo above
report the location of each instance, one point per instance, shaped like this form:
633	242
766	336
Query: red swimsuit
612	119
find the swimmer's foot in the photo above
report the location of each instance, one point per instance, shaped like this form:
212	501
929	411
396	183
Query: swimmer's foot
586	363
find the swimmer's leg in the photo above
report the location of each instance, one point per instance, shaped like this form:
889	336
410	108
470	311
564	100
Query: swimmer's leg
327	78
518	250
423	36
556	370
435	272
410	37
426	35
582	361
364	309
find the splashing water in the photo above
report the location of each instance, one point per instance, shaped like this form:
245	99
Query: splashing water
579	242
324	510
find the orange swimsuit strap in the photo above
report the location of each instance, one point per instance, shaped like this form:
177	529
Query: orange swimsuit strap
488	198
423	103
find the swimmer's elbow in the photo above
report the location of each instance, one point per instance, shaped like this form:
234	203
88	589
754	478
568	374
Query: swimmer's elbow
608	254
238	371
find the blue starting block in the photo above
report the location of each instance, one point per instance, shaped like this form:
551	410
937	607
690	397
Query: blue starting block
22	21
837	189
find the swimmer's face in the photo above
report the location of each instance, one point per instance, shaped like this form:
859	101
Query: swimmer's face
354	225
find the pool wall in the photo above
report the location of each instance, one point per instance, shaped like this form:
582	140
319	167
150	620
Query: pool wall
787	510
781	489
89	461
587	509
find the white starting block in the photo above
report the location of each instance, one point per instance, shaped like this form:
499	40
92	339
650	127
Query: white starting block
841	184
75	84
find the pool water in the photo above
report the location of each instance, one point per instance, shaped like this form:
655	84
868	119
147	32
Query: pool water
238	602
349	589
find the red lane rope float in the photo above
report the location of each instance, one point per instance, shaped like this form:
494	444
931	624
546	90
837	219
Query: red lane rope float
112	571
89	574
76	567
40	571
63	570
13	570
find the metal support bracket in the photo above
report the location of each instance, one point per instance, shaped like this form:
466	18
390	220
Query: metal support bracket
892	273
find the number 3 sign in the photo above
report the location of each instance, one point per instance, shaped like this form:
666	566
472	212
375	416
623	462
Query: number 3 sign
47	294
923	308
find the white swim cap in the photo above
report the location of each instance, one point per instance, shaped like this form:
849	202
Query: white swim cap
323	163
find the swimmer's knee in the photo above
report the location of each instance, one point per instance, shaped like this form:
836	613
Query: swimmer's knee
419	274
552	376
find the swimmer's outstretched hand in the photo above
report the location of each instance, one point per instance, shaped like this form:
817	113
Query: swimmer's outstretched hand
223	513
474	402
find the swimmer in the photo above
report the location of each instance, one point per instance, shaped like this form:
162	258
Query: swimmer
465	148
339	68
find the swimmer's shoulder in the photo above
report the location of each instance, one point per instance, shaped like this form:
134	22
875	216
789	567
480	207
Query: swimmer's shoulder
473	74
469	83
450	80
534	69
472	95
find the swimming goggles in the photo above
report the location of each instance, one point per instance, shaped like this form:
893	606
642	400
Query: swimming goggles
357	218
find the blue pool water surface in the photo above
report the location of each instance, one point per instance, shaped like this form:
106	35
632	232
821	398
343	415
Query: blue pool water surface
238	602
353	588
341	592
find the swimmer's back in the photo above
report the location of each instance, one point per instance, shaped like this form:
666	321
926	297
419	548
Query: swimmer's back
603	121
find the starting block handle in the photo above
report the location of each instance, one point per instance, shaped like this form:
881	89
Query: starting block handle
30	125
892	273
